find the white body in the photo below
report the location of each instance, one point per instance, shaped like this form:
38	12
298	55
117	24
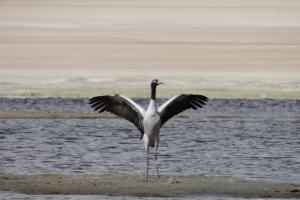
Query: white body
149	121
151	124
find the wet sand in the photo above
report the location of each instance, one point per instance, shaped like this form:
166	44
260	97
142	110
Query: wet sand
136	185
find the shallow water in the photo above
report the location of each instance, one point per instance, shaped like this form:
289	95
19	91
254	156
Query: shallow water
253	139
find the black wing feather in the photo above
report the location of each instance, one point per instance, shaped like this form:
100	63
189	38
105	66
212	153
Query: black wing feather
182	103
118	106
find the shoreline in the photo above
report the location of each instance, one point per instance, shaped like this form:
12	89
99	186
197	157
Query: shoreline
162	93
230	49
136	185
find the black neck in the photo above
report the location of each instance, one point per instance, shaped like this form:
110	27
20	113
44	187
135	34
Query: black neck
153	91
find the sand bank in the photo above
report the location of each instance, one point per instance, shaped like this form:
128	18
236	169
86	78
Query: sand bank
231	49
136	185
138	36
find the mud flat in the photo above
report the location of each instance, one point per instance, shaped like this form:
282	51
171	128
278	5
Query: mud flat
136	185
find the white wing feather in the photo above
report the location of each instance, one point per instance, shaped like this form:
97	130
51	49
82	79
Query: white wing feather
137	106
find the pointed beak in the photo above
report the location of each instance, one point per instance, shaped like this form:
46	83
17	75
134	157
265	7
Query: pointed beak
160	83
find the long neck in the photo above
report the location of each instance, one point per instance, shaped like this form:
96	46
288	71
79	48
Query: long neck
153	92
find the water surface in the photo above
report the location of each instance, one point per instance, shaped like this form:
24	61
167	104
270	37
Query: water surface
252	139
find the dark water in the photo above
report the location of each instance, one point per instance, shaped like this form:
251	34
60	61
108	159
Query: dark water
253	139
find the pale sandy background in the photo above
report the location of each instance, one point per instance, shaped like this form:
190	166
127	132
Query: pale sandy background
79	48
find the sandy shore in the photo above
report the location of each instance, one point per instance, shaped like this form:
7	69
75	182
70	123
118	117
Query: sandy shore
228	49
136	185
84	37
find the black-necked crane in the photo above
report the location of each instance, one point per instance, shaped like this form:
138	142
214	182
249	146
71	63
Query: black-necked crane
151	120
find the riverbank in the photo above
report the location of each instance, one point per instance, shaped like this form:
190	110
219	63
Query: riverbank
136	185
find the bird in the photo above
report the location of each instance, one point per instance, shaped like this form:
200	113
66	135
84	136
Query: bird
148	121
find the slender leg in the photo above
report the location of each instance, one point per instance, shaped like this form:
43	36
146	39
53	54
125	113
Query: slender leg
157	171
146	143
147	173
157	142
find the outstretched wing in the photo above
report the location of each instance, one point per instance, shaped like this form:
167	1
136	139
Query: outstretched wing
122	106
180	103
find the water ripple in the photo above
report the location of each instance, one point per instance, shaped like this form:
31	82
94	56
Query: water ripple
256	139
